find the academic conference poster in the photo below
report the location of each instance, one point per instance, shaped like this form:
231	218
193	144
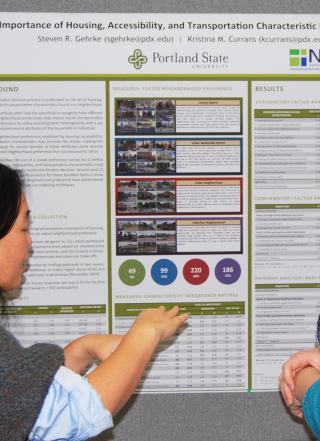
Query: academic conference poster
169	159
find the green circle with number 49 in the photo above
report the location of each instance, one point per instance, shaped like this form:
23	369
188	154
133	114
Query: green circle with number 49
132	272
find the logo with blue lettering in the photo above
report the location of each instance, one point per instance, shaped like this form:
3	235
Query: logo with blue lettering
298	58
137	59
306	59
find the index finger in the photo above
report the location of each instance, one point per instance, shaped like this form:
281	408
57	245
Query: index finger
173	311
288	373
287	394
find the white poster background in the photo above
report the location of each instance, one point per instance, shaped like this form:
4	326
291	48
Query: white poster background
227	50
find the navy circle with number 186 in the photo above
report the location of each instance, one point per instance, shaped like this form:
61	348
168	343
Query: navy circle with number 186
227	271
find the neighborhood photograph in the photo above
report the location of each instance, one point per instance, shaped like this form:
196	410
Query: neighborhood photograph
151	236
145	157
145	196
145	116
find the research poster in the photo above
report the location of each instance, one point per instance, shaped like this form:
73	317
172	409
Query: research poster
169	159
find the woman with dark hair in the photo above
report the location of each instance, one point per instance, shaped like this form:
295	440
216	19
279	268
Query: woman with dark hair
43	395
11	191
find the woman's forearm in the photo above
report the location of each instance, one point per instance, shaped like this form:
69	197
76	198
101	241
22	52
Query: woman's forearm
79	353
116	378
303	380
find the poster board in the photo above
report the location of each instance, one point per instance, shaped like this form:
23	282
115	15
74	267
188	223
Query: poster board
95	96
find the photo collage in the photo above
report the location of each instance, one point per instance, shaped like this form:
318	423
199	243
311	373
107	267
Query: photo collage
145	117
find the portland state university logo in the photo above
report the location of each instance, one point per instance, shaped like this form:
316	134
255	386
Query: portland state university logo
137	59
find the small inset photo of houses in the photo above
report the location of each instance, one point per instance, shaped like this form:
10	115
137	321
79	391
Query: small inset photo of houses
127	207
147	184
166	184
128	185
151	236
145	116
126	156
147	237
127	196
166	237
165	116
126	117
146	207
127	237
127	127
147	242
166	157
145	157
146	196
166	196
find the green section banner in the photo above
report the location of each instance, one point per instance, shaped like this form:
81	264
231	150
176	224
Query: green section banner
287	113
55	309
285	206
288	286
197	308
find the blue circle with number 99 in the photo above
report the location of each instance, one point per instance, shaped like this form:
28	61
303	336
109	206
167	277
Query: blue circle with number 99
164	272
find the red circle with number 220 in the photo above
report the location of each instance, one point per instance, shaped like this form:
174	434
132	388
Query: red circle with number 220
196	271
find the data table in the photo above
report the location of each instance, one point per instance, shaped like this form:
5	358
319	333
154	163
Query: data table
55	324
209	353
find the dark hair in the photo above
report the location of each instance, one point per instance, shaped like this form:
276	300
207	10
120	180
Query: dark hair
11	186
